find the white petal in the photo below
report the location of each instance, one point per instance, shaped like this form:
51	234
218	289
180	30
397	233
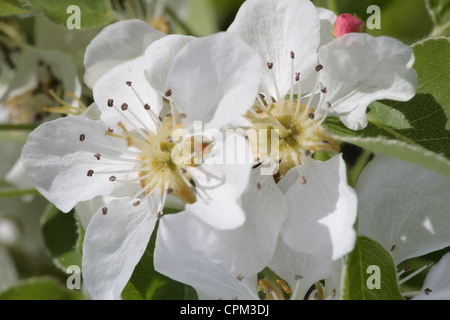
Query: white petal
113	85
274	29
115	44
114	244
214	79
93	112
323	210
327	21
300	270
437	281
249	248
404	205
180	253
58	161
355	119
220	184
86	209
159	57
359	69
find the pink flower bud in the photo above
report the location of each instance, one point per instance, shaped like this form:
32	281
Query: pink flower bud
347	23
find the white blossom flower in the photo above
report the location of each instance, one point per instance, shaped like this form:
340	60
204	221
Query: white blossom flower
184	240
287	39
319	201
308	76
299	247
356	69
401	205
127	154
405	208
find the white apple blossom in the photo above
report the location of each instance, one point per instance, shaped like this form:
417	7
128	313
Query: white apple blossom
215	272
292	38
127	154
405	208
401	205
319	199
225	263
308	76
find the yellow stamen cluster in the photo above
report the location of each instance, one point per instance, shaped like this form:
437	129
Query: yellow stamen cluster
156	169
298	133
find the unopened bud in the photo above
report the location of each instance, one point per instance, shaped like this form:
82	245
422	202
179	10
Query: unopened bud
347	23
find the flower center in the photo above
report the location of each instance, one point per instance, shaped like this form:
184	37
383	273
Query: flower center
294	128
157	172
292	133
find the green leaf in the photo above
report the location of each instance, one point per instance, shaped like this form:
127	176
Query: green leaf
61	233
418	130
148	284
404	151
40	288
370	273
93	14
12	7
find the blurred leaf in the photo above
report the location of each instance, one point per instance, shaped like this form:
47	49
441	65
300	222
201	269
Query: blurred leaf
61	236
12	7
40	288
17	127
202	19
14	192
148	284
404	151
417	130
439	11
226	11
92	13
367	261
